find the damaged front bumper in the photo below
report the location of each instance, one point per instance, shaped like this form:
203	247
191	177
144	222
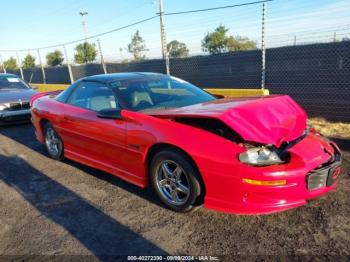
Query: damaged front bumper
313	170
327	174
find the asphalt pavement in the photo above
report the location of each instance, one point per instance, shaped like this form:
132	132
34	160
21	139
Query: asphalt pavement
64	208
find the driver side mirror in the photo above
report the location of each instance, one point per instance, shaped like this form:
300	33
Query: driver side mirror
110	113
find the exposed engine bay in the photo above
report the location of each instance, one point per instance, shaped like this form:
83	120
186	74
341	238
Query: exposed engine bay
212	125
278	155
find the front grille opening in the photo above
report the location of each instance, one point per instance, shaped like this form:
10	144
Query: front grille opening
320	177
18	106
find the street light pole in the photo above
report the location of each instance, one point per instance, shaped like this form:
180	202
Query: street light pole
82	14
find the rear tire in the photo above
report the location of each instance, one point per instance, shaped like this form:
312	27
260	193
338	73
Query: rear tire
53	142
176	180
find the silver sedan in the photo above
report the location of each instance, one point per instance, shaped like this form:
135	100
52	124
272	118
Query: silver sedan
15	95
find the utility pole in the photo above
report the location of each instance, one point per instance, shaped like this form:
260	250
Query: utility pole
2	63
82	14
42	67
163	42
68	65
263	50
20	65
101	55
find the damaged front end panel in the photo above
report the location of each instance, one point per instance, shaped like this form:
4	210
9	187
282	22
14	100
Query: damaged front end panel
211	125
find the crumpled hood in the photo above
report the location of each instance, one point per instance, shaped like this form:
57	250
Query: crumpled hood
266	120
8	96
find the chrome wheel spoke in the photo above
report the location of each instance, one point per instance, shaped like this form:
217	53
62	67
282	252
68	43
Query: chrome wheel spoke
177	173
174	196
166	171
50	134
183	189
163	183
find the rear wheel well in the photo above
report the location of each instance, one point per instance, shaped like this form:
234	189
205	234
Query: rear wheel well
164	146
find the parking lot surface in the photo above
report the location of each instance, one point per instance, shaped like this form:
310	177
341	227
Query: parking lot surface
64	208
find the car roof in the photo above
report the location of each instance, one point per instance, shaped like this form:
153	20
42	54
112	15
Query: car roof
119	76
7	75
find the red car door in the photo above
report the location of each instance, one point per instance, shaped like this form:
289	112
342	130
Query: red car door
87	138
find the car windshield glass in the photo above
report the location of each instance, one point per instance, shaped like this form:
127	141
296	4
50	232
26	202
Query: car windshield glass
158	92
12	83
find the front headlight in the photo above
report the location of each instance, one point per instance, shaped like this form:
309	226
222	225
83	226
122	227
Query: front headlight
3	107
260	156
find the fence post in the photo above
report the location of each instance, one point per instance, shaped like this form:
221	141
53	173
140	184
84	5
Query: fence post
42	67
20	65
101	55
163	38
68	65
167	63
263	50
3	64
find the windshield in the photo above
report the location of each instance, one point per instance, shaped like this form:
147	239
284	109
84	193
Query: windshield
158	92
12	83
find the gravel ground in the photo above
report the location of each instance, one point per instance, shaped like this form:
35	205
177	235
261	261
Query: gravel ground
63	208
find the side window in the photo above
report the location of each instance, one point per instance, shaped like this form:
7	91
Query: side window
62	97
171	87
93	96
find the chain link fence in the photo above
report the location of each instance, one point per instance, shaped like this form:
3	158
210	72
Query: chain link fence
310	64
316	75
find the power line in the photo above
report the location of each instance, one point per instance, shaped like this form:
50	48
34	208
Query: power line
90	37
217	8
138	22
43	16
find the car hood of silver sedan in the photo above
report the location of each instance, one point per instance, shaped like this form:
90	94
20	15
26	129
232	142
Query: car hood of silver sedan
14	95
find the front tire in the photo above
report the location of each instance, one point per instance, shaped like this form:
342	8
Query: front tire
53	142
176	180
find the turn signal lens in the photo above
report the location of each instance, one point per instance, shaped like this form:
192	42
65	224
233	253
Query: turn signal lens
264	183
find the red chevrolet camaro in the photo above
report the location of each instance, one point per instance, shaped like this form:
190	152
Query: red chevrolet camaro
238	155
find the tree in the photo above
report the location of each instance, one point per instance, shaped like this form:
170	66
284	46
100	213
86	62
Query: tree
85	53
177	49
54	58
215	42
10	63
137	46
218	42
240	43
29	61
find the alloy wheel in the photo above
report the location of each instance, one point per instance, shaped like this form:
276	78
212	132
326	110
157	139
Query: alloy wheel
172	182
52	141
